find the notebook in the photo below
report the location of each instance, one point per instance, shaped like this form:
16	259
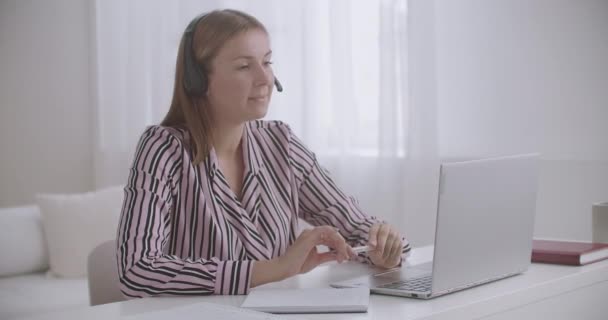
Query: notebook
568	252
324	300
203	310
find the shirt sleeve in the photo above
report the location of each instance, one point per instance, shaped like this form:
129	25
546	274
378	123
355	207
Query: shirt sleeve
321	202
144	231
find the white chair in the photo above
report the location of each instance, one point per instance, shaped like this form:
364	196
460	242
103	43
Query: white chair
102	272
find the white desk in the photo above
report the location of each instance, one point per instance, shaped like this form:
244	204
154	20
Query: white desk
543	292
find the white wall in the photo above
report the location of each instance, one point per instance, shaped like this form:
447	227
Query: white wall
507	76
518	76
45	117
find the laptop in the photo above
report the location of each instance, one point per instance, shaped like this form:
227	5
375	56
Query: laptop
483	233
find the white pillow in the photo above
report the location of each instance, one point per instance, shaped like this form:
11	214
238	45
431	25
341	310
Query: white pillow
22	247
75	224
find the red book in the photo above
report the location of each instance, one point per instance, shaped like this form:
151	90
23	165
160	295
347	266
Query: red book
568	252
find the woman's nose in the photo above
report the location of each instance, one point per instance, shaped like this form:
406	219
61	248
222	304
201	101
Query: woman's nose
263	75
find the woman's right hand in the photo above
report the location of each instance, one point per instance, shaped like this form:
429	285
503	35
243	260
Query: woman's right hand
302	256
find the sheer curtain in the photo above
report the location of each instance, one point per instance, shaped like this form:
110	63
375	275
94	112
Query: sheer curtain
344	67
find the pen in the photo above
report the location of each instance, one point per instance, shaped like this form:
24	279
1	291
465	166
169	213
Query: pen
361	249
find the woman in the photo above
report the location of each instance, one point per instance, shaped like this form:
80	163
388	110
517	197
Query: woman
214	195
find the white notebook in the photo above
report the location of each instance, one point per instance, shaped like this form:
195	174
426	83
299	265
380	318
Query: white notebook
325	300
203	310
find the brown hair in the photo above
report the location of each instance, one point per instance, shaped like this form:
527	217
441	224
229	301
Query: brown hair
210	34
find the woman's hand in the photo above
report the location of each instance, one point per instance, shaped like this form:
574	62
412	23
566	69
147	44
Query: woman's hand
302	256
385	245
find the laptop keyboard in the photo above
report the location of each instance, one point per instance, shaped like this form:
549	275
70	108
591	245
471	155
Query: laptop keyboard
422	284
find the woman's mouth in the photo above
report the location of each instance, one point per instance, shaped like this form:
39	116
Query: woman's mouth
258	99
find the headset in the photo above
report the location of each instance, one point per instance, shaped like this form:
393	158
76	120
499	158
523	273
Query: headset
195	78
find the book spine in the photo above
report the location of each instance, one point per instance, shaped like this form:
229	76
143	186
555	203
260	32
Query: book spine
571	260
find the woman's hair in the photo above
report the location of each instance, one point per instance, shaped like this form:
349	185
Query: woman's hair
209	33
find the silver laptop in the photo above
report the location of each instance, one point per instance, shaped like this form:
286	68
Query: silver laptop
485	222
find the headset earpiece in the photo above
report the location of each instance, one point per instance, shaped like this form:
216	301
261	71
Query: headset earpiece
195	79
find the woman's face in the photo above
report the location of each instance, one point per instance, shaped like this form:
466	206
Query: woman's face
241	79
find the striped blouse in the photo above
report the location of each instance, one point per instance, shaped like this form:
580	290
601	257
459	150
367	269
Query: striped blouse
183	231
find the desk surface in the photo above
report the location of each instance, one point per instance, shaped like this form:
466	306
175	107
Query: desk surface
540	282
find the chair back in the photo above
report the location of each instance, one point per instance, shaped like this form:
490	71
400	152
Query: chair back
102	274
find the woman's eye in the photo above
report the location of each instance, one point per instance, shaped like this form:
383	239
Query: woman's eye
243	67
267	63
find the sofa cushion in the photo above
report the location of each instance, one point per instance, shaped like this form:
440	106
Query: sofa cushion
22	245
75	224
36	293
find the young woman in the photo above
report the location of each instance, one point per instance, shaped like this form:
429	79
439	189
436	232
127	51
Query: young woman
214	195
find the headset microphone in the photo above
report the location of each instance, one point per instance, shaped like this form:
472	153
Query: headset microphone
278	85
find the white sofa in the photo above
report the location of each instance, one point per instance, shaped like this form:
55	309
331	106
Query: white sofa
43	250
33	293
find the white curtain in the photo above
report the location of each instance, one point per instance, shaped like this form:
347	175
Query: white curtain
344	67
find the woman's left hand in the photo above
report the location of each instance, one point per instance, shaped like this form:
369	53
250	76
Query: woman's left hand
385	245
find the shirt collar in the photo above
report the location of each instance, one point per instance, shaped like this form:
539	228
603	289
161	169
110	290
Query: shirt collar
251	154
251	150
211	163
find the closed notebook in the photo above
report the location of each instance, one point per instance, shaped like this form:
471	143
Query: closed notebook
325	300
568	252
